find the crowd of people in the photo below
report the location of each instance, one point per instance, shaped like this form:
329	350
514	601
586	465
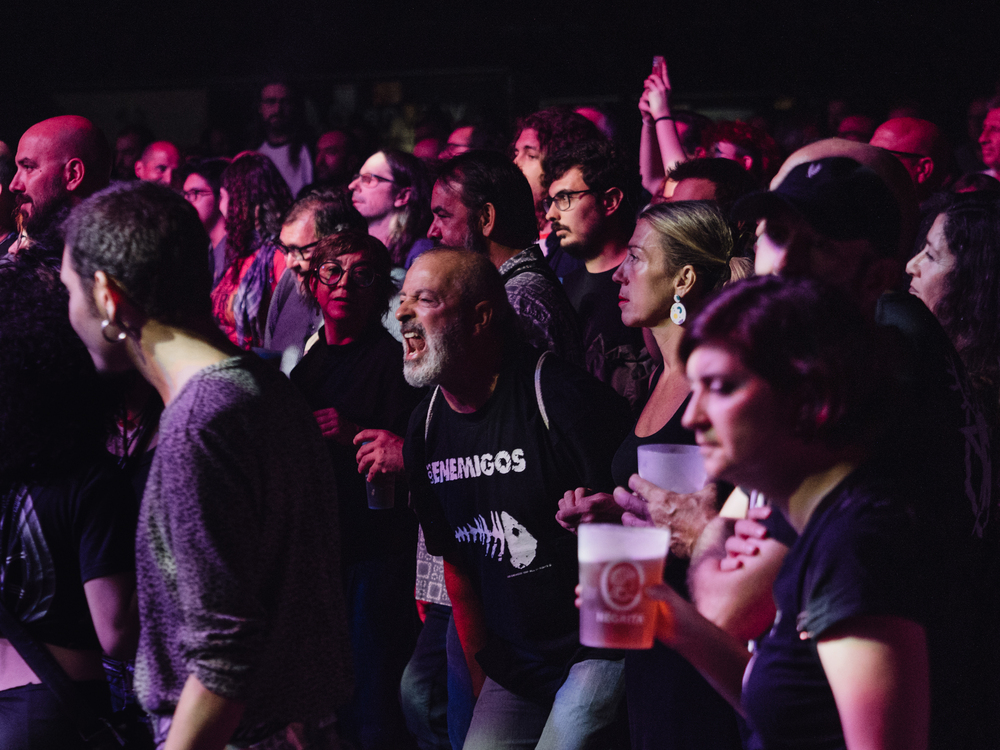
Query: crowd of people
318	482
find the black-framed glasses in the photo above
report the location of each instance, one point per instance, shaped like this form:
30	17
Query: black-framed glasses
563	200
296	253
193	195
368	180
330	273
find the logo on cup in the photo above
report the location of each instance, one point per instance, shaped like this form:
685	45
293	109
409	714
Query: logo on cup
621	585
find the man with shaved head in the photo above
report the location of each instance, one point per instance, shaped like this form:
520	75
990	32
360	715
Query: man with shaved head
921	148
60	161
158	163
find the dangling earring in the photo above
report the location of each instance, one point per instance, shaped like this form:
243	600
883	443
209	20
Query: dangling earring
104	332
678	313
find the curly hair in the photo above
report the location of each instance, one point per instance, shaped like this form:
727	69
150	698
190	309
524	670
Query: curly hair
411	221
556	127
258	198
969	309
51	410
809	343
603	166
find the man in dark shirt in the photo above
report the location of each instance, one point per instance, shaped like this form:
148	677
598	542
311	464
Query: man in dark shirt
482	202
489	452
592	204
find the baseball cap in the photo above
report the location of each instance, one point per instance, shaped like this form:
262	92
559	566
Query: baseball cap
838	197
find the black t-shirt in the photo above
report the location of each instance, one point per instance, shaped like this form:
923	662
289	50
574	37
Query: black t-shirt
57	536
859	555
613	352
364	382
486	486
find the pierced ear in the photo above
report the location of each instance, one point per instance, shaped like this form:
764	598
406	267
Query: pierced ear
612	200
487	219
73	173
106	296
402	198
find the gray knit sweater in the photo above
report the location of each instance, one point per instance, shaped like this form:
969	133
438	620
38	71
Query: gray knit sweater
237	552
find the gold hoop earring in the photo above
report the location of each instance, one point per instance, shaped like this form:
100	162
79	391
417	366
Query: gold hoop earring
105	324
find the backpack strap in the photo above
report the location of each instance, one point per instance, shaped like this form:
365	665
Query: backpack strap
430	409
538	389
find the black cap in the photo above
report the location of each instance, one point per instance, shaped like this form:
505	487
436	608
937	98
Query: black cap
840	198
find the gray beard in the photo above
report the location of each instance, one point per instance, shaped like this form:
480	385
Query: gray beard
441	351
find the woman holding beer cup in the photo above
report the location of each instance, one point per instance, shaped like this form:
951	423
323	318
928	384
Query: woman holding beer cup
790	399
678	255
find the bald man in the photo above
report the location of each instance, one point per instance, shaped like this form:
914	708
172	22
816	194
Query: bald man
921	148
60	161
158	163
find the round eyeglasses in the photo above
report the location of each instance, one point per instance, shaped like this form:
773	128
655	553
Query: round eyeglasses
563	200
330	273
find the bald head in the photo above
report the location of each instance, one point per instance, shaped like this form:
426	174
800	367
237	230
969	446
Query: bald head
884	164
158	163
920	147
60	162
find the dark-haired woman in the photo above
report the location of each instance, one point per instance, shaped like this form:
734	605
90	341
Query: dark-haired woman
253	198
957	275
791	399
352	377
67	517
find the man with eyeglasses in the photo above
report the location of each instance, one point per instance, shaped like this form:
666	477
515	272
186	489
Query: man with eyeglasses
292	317
921	148
592	202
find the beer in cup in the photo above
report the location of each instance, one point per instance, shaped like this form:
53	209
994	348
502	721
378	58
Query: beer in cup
616	565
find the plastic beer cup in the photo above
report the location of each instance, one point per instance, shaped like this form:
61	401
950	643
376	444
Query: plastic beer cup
616	565
676	468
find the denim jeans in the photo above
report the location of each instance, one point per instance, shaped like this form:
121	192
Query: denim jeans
382	619
436	693
583	708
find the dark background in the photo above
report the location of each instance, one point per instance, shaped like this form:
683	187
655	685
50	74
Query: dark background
505	59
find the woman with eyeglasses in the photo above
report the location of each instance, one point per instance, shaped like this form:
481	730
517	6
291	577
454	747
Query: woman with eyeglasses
352	378
253	198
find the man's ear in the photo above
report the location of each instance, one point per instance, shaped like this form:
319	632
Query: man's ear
73	173
487	219
107	297
612	199
482	317
747	162
925	168
402	197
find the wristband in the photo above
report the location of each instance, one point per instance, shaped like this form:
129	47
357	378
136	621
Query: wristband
665	117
